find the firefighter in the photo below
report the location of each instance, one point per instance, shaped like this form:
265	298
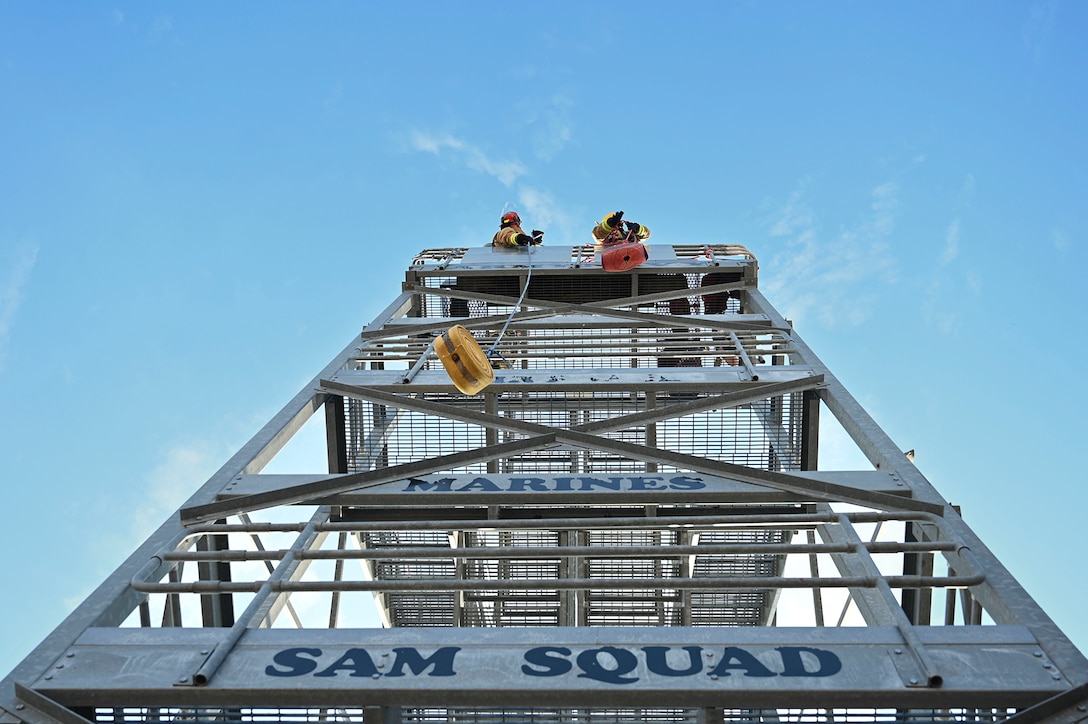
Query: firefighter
511	235
610	230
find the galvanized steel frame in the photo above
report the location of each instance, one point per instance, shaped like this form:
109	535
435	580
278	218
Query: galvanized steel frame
1033	666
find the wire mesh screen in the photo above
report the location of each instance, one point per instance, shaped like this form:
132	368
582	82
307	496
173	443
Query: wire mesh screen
505	607
615	582
753	607
765	435
380	436
542	715
709	715
526	346
485	287
226	715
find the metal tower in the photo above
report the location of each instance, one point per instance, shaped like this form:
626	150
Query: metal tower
629	524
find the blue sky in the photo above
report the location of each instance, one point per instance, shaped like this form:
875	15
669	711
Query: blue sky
201	203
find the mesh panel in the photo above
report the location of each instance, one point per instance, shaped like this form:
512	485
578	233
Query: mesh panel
358	715
760	436
547	344
529	346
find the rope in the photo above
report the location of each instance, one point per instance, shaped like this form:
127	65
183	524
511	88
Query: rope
528	251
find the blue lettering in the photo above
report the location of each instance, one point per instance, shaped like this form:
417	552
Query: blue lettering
641	483
564	483
441	660
683	482
626	662
657	662
292	658
442	486
357	661
480	484
607	664
737	658
590	483
537	484
552	665
828	663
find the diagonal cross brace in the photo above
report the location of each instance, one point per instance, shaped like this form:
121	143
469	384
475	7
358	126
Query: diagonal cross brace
807	488
344	483
606	308
492	320
656	414
618	302
44	705
543	436
580	436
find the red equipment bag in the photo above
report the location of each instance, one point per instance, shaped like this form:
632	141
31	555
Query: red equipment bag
623	257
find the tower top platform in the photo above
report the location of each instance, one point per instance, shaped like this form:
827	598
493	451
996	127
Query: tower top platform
586	257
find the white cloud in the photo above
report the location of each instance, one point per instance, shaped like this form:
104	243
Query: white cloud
118	17
542	211
937	307
1039	28
434	144
505	171
885	204
792	216
537	207
185	467
550	123
951	242
974	282
947	323
831	279
935	310
550	140
15	268
1060	240
162	27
